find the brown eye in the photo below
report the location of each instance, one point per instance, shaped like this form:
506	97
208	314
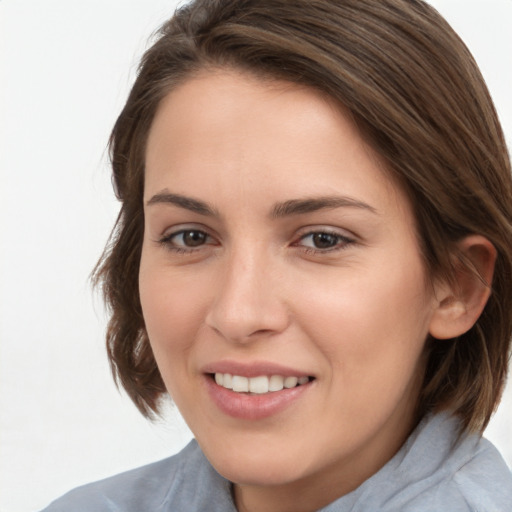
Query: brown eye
193	238
186	239
324	240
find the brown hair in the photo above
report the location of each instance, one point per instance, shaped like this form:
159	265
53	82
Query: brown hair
417	95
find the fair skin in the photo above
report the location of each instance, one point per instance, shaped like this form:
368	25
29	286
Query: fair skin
276	244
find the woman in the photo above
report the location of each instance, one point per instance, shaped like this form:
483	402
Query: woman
313	259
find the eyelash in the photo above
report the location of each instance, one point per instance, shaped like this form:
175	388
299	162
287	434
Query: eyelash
342	241
168	243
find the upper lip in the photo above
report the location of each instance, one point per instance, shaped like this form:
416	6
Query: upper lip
252	369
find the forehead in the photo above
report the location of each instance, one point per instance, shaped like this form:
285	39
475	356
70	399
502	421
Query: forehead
225	129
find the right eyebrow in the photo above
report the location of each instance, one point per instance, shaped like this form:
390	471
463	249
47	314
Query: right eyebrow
187	203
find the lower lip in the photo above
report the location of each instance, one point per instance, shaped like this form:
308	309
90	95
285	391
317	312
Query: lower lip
253	406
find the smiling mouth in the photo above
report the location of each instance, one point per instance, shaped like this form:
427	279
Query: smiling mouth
258	385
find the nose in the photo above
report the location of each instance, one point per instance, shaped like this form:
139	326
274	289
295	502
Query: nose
249	302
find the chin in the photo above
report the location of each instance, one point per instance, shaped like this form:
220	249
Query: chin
269	474
257	467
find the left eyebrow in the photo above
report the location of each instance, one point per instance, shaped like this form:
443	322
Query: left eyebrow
313	204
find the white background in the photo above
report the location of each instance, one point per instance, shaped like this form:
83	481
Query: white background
65	71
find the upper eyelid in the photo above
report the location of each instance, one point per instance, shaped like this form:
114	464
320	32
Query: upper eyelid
300	233
326	232
169	236
332	230
167	241
182	231
180	228
343	239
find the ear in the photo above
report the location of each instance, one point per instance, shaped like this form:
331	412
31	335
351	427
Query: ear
458	304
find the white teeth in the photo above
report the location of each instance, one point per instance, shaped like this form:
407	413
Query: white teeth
290	382
227	380
276	383
258	385
240	384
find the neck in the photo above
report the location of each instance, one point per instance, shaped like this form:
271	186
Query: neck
317	490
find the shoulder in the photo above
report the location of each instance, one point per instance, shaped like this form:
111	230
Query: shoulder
469	476
159	486
484	480
481	484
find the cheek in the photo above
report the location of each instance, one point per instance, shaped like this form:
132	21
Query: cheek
172	312
371	325
172	315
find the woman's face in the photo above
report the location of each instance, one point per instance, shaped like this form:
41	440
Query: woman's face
277	250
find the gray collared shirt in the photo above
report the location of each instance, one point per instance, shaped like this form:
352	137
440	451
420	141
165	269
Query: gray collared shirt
428	474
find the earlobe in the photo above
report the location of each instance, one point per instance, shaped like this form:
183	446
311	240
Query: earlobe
459	304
